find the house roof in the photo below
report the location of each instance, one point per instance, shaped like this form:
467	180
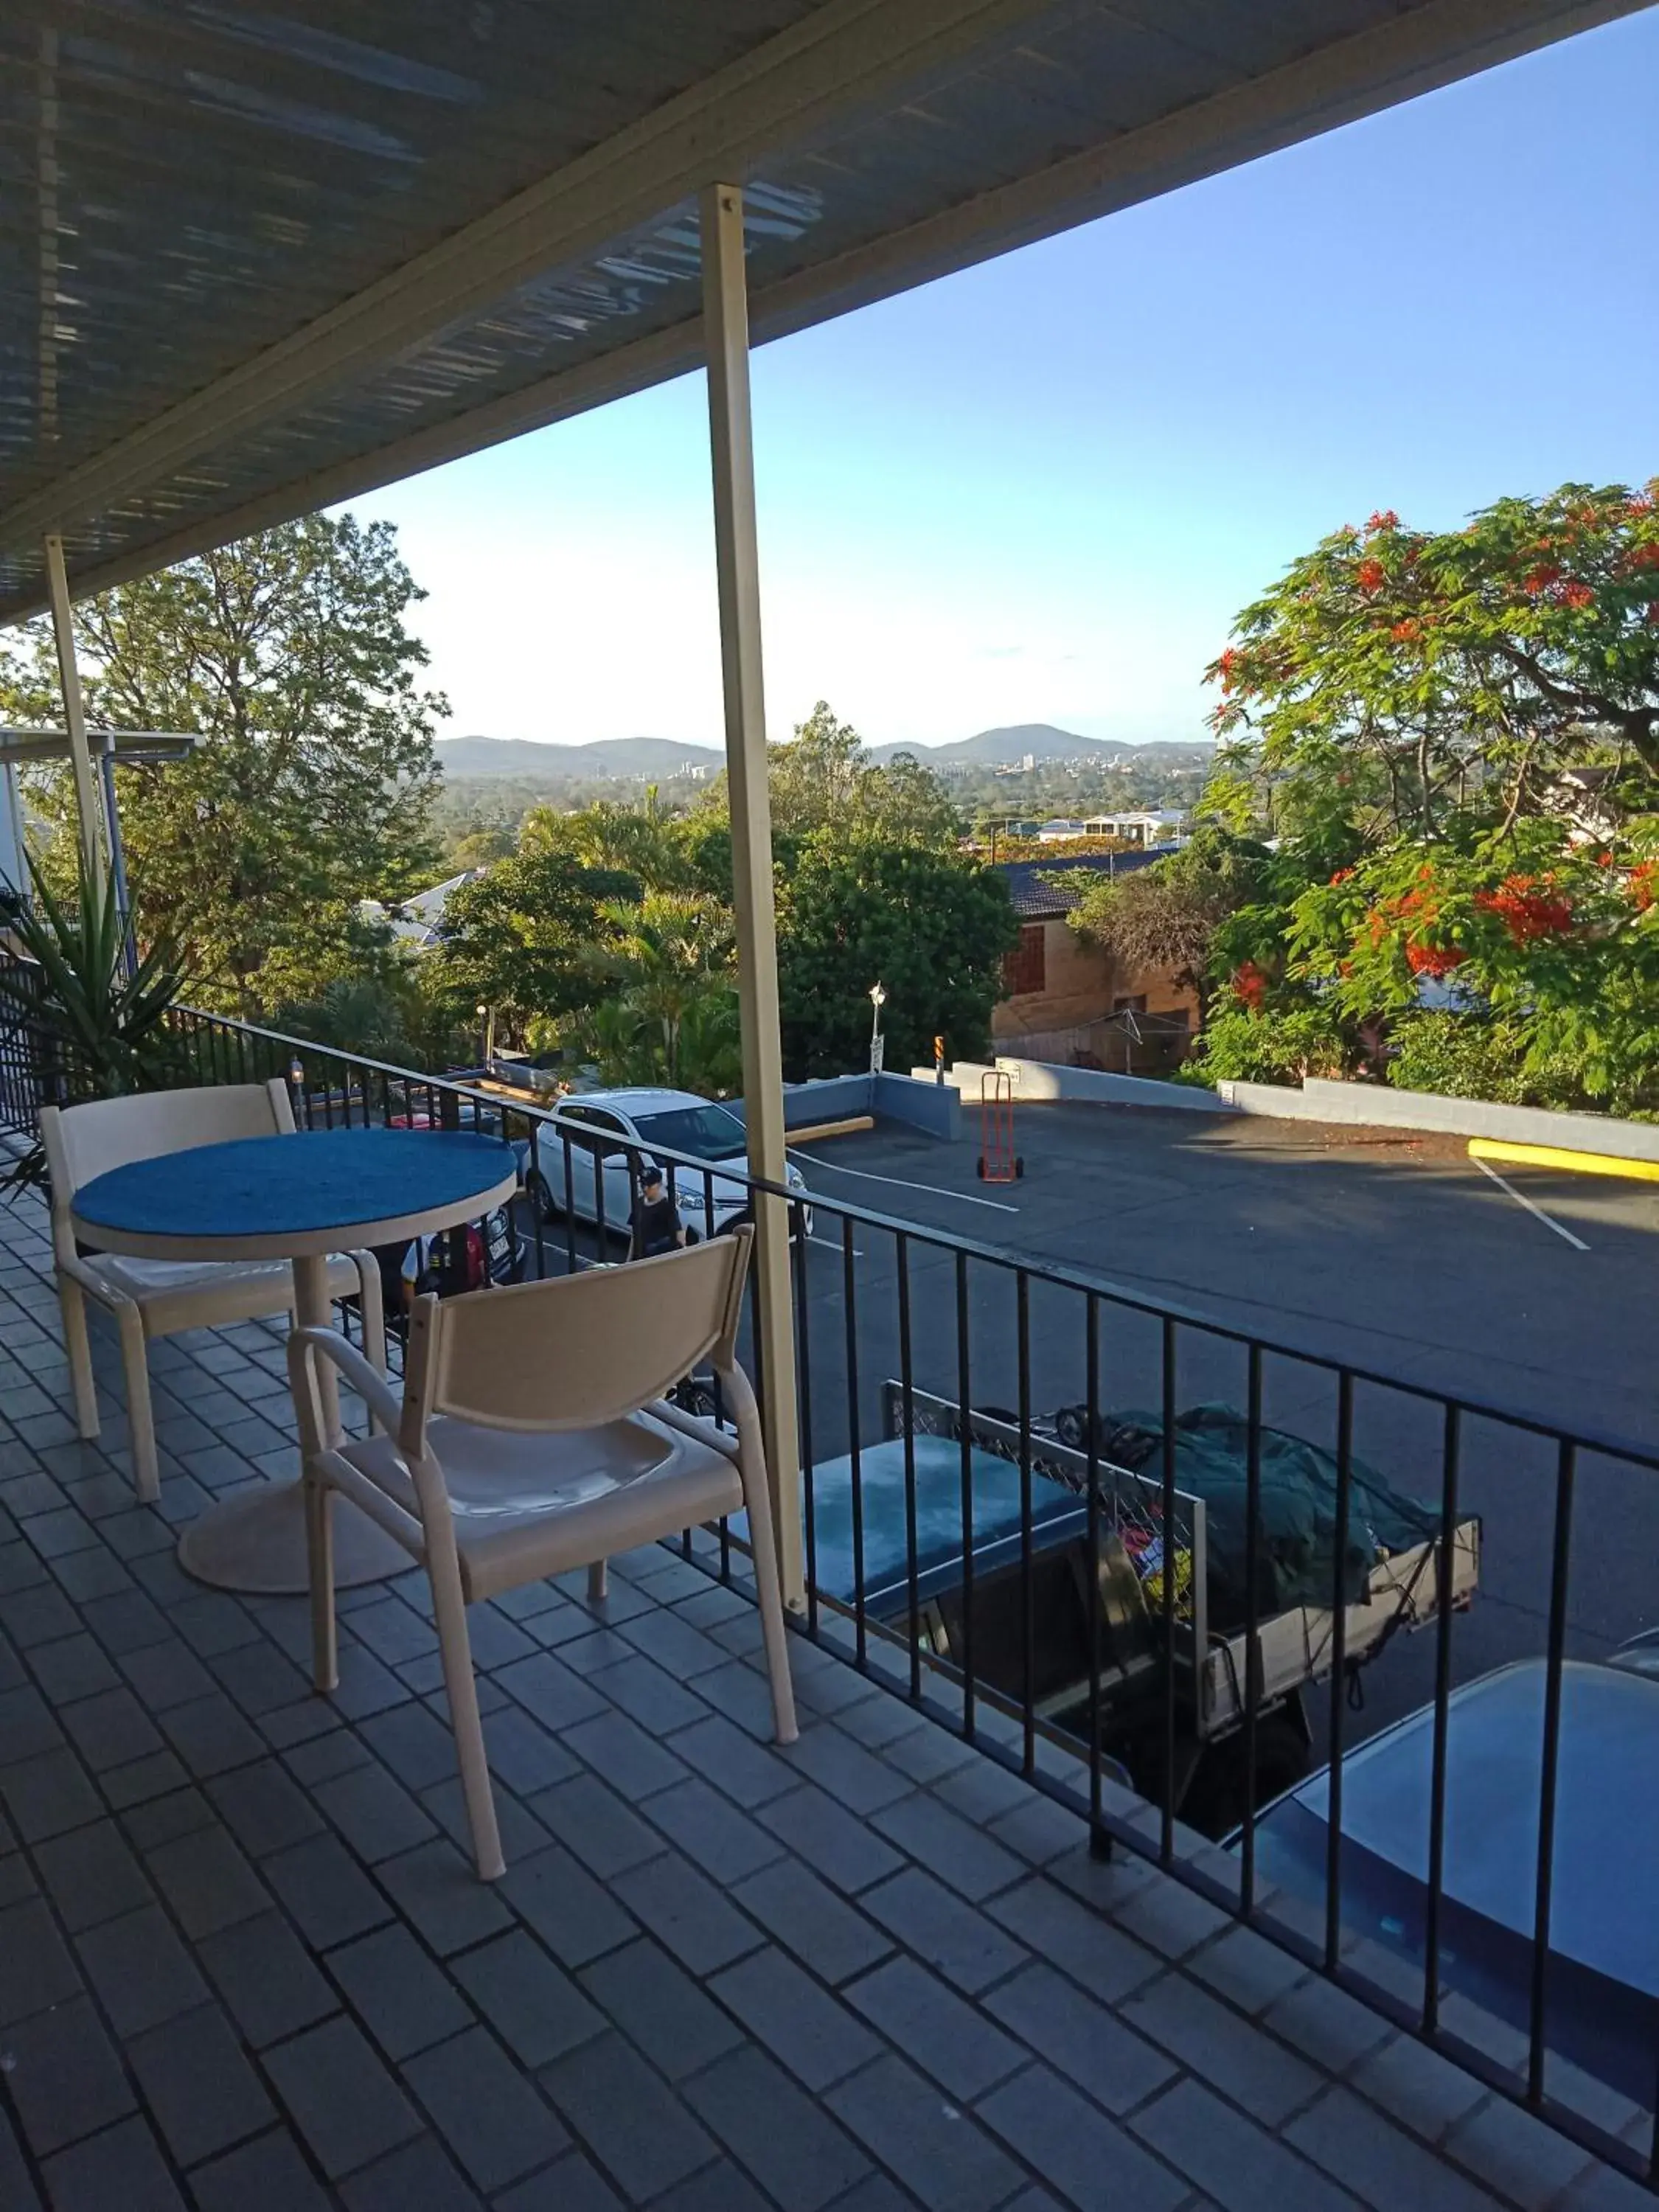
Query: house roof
259	261
1034	899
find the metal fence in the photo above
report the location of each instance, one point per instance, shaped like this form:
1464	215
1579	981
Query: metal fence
990	1526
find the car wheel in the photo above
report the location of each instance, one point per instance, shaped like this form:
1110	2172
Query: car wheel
539	1192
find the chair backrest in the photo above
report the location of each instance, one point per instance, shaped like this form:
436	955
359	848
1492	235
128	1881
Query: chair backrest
82	1142
573	1351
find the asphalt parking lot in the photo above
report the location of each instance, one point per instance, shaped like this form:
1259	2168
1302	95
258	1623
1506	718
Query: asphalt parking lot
1393	1252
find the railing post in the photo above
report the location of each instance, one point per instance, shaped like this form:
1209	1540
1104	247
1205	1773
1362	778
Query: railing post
725	327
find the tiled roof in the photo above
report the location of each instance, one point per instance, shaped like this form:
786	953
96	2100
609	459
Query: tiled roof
1035	898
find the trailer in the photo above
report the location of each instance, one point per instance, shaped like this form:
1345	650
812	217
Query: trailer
932	1521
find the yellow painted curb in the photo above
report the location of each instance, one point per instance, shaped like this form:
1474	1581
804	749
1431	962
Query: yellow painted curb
814	1130
1553	1156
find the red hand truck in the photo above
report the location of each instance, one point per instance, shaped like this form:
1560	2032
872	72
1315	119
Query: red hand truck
998	1160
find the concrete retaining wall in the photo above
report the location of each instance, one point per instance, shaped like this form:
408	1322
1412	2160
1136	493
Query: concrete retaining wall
1373	1106
923	1104
1041	1079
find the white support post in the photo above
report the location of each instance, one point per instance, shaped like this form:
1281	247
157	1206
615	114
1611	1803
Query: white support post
726	325
74	720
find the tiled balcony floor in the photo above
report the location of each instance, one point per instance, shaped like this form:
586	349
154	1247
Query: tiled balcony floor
244	1964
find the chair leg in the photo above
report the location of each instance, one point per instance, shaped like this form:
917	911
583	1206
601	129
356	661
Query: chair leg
757	1497
455	1647
373	1310
319	1553
78	1345
598	1581
141	1422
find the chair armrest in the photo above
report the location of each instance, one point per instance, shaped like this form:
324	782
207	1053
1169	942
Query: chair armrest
72	1265
305	1345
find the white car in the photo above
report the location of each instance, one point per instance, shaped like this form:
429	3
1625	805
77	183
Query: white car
603	1124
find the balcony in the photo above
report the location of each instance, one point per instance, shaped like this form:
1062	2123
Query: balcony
244	1961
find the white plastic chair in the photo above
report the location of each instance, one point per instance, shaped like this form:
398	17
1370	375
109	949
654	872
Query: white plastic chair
532	1438
158	1297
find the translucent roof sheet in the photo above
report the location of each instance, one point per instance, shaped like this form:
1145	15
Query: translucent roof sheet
183	187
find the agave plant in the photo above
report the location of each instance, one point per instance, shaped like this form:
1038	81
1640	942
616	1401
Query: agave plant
76	1009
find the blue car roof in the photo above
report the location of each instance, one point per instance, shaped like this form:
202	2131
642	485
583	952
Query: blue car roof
1056	1512
1604	1901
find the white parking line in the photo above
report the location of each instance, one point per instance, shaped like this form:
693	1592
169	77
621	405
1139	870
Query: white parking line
964	1197
832	1244
1520	1199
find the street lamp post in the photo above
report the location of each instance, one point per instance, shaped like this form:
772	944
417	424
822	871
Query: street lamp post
877	1000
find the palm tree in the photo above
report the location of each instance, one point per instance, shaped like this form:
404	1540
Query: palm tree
672	954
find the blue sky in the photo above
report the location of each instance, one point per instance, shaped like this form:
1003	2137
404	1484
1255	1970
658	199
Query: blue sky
1039	490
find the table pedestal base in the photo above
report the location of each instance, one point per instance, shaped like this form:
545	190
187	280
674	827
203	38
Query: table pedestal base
256	1542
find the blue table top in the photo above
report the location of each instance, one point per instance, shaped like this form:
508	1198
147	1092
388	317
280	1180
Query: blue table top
277	1186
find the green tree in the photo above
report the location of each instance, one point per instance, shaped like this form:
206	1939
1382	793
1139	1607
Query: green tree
1169	916
824	778
290	654
670	957
932	926
522	939
1407	683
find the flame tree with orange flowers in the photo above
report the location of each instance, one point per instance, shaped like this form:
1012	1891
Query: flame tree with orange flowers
1453	741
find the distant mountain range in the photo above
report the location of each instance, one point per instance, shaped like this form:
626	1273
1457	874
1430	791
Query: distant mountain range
523	759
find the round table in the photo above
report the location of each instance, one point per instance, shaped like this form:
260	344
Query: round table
296	1198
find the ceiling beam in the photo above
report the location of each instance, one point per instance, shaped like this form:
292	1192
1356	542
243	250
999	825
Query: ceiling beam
1435	44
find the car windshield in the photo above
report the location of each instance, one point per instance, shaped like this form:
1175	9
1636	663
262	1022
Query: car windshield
706	1131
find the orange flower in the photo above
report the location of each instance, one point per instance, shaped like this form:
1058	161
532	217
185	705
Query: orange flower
1406	632
1249	985
1433	959
1577	595
1387	520
1542	577
1529	906
1371	576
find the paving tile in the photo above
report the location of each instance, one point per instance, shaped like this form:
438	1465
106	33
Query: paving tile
718	2188
121	2168
947	2037
1080	2038
642	1690
549	1692
659	2006
748	1772
164	1675
328	1893
1326	2024
36	1970
127	1622
364	1686
532	2004
213	1622
207	1882
741	1694
627	2116
266	1978
260	1679
199	2089
419	2177
572	2184
818	2038
143	1779
854	1777
1080	1943
575	1917
413	1743
1378	2161
404	2001
1509	2151
210	1736
620	1751
332	1752
439	1891
953	1849
41	1614
604	1647
1257	2073
92	1875
956	1938
392	1631
341	2097
523	1754
46	1796
844	1851
1424	2091
683	1910
522	1834
267	2175
374	1813
809	1918
1246	1969
492	2116
593	1822
74	1666
712	1831
935	2150
64	2077
265	1808
141	1973
1232	2159
1076	2147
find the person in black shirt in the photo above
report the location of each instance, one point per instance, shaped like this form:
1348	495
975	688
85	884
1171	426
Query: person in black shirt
656	1218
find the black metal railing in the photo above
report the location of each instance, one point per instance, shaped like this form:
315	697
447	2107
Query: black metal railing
1057	1601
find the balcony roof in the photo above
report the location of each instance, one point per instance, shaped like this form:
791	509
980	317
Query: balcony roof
254	265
